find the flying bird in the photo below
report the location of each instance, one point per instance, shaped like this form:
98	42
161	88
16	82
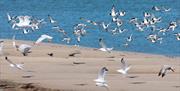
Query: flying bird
103	46
164	70
43	37
100	81
14	65
124	67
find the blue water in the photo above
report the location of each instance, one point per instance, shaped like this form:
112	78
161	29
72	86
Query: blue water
68	12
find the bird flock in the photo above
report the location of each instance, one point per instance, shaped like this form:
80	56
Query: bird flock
148	23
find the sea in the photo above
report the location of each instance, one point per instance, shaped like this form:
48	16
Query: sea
68	13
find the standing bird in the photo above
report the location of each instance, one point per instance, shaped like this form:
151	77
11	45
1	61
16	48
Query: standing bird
124	67
18	66
164	70
100	81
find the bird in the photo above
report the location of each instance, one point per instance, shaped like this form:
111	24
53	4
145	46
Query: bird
23	48
14	65
103	46
1	47
51	20
177	36
164	70
100	81
43	37
124	67
129	38
156	8
122	13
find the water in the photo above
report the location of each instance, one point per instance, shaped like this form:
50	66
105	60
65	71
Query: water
68	12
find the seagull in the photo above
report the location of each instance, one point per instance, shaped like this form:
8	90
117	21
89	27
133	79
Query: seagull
23	48
122	13
51	20
103	46
105	26
124	67
164	70
146	14
177	36
153	38
166	9
172	26
100	81
1	47
18	66
129	39
43	37
113	12
156	8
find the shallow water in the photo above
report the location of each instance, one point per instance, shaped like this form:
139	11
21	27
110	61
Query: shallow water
68	12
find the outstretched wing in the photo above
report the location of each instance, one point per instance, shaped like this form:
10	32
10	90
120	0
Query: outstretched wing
102	73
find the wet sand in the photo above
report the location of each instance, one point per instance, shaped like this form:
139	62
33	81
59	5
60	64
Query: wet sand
76	73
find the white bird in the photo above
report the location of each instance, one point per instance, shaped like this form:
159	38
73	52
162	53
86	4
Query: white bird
1	47
164	70
103	46
24	22
124	67
153	38
113	12
43	37
23	48
100	81
18	66
172	26
177	36
166	9
105	26
129	39
51	20
122	13
156	8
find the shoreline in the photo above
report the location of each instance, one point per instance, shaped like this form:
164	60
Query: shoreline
93	48
76	73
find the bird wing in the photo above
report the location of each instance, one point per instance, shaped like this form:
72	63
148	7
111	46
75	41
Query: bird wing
42	37
102	44
102	73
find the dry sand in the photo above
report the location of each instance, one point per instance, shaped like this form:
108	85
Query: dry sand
59	72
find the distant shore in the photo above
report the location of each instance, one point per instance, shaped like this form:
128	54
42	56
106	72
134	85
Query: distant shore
63	72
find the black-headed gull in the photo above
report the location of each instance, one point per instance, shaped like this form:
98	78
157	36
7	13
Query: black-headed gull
164	70
124	67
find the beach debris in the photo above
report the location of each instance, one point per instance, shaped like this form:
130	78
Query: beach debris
74	53
78	63
164	70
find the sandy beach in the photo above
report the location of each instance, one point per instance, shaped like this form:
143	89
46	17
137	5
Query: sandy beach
66	73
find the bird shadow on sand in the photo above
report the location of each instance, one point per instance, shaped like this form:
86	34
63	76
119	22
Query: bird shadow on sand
137	82
132	76
81	84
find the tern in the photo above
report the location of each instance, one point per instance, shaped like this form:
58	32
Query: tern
164	70
124	67
100	81
51	20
